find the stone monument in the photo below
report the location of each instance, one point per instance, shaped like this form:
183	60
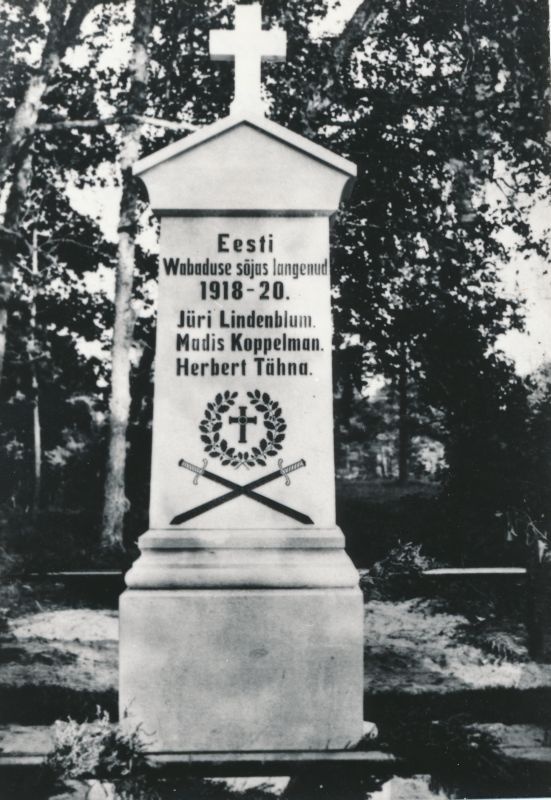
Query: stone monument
242	626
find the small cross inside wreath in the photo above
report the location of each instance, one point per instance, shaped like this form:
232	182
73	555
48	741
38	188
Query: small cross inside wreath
217	447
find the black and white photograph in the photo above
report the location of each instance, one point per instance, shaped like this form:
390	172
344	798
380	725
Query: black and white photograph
275	400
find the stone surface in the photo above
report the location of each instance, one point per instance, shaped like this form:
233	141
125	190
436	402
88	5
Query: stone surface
521	743
33	742
285	559
243	670
240	164
182	399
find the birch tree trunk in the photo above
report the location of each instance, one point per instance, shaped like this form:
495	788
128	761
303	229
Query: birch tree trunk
115	501
26	114
403	417
9	236
32	349
15	158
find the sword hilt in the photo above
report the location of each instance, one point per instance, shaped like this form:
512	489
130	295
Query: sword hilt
194	468
291	468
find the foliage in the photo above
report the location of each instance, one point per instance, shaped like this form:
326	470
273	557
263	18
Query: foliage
104	751
110	753
7	565
59	539
367	435
443	100
463	754
16	596
460	758
535	515
502	646
398	574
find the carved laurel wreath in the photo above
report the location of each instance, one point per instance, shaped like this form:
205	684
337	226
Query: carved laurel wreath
218	447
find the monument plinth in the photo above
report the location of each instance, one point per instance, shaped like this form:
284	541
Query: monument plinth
242	625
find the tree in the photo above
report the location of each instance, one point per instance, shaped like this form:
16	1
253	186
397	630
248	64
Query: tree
52	313
436	104
446	101
115	503
61	32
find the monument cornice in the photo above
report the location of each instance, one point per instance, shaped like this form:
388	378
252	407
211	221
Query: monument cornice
226	124
247	166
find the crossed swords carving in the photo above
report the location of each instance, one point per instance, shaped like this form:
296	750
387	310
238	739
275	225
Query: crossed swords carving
247	490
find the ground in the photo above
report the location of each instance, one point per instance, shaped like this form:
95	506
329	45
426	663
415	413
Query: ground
410	648
76	648
424	662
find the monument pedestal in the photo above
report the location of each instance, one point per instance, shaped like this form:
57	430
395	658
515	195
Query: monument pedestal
248	646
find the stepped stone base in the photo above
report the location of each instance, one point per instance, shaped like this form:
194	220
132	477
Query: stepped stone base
243	640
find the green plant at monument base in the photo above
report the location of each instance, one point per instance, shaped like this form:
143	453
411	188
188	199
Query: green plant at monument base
103	751
112	759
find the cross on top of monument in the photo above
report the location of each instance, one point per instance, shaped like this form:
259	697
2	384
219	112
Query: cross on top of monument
248	45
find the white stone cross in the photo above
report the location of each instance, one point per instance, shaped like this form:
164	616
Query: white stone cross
248	45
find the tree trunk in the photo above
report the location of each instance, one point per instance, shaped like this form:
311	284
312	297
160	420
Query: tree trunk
403	417
115	502
65	20
37	442
33	355
26	114
9	238
15	158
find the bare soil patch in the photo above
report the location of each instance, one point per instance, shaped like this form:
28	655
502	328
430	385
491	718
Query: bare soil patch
411	648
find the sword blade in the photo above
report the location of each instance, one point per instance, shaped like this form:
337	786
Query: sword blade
247	490
212	476
225	498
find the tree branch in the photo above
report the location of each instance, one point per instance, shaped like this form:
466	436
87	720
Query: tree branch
355	31
357	28
78	14
12	232
67	240
115	119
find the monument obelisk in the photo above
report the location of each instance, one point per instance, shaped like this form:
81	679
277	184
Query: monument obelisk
242	624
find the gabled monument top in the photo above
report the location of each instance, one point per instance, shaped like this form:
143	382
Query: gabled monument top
248	45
